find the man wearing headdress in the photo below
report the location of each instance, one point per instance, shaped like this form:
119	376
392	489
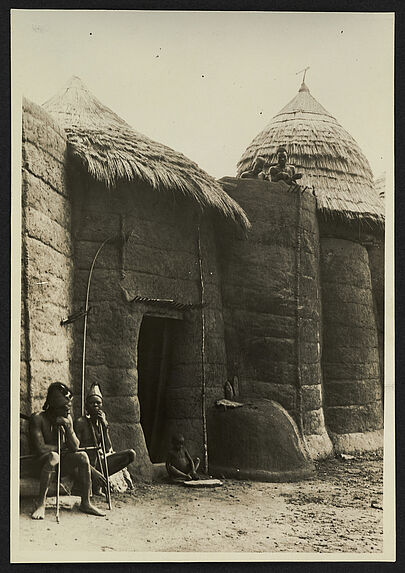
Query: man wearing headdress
43	431
91	429
257	171
283	171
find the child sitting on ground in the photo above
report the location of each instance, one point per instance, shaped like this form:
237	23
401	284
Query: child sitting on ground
179	464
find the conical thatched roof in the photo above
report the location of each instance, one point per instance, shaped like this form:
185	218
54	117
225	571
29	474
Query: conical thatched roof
111	151
329	158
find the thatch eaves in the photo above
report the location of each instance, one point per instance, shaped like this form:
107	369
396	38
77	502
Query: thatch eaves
329	158
113	152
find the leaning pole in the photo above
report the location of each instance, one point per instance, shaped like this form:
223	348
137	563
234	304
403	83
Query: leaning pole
203	381
86	311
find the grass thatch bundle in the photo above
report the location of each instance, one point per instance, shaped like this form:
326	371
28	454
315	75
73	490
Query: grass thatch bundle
329	158
112	152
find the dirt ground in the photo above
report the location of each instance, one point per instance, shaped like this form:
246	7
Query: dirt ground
339	510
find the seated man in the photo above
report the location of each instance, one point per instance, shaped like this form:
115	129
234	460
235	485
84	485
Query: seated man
43	432
257	171
179	464
282	171
88	429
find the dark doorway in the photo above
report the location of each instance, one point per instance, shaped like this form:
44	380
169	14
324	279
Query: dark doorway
154	349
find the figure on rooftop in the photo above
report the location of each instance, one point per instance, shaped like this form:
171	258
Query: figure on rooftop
257	171
283	171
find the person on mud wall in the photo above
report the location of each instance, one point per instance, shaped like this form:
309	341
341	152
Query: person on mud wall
43	434
283	171
88	429
257	171
179	464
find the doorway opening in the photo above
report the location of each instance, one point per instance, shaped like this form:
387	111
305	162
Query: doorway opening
154	353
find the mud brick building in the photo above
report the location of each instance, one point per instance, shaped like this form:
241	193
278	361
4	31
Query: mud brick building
197	284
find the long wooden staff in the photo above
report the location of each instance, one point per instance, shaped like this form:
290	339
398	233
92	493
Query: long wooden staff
98	456
107	477
58	476
106	466
203	381
86	449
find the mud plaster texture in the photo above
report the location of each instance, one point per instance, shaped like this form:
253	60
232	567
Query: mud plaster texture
47	265
159	261
376	257
372	238
353	390
271	304
258	441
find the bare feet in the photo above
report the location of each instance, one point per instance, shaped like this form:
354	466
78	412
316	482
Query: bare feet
98	491
39	512
91	509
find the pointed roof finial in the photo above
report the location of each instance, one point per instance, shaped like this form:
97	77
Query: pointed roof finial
304	87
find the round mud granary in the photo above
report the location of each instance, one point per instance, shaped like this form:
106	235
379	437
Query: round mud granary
258	441
353	391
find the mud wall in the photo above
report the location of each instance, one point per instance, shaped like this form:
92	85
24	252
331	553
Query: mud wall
159	261
353	392
271	302
47	268
376	257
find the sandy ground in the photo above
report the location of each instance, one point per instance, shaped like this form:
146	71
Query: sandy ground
333	512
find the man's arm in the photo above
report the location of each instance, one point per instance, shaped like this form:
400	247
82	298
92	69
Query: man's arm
37	436
80	431
72	441
102	420
108	443
275	174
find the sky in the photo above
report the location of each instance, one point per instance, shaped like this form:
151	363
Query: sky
206	83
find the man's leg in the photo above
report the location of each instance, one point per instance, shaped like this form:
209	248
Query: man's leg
119	460
80	461
115	463
98	481
50	461
176	475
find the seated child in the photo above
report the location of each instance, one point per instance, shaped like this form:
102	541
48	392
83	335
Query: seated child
179	464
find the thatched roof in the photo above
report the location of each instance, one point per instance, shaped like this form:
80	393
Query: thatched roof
112	152
329	158
380	184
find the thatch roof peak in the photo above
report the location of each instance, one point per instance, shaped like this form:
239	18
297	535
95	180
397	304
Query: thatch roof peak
329	158
74	106
112	152
304	102
304	87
